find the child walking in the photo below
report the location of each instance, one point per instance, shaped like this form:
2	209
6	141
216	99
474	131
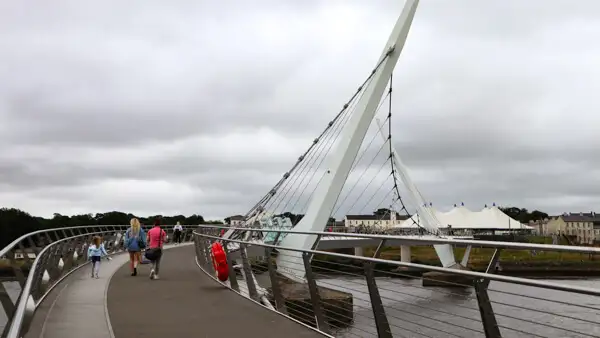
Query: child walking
95	253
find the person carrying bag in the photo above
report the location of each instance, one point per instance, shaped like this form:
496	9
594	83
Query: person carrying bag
156	239
135	242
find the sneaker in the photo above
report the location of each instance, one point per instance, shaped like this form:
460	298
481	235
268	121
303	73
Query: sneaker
156	277
152	274
97	277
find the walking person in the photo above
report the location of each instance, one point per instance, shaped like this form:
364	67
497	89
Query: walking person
178	230
135	241
156	238
95	253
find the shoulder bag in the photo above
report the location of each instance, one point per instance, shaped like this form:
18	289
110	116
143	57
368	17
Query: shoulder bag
154	253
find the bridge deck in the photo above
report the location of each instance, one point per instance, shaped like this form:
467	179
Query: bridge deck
187	303
183	303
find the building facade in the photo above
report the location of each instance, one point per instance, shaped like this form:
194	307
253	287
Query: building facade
384	221
235	221
540	227
584	226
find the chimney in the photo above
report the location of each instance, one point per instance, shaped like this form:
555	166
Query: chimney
455	205
581	214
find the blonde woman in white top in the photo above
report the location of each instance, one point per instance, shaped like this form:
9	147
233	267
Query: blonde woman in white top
135	242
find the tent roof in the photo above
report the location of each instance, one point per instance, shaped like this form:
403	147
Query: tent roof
463	218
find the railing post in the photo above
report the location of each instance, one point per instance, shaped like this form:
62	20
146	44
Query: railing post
314	294
19	275
492	266
197	247
8	306
488	318
277	296
233	283
202	250
316	244
248	273
381	322
379	248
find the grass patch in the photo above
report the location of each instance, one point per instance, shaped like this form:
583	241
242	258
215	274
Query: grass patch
482	255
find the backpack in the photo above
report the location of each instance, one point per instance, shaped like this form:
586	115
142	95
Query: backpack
140	242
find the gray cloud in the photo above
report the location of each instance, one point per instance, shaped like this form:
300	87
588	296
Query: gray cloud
194	107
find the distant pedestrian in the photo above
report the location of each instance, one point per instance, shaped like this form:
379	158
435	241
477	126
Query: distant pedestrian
95	253
156	238
178	230
135	241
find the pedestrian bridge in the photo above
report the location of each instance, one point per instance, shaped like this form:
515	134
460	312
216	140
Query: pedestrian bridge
50	292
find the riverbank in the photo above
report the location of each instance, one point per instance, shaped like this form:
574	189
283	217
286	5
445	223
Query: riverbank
519	263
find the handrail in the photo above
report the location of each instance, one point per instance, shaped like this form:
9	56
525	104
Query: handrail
19	315
14	243
427	241
325	285
466	273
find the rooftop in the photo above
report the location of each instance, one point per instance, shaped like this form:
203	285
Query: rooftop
385	217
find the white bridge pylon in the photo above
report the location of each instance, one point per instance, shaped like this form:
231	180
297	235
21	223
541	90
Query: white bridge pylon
342	159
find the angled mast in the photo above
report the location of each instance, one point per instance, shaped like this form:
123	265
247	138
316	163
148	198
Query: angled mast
352	136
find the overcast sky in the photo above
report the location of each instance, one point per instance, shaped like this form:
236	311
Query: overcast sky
156	107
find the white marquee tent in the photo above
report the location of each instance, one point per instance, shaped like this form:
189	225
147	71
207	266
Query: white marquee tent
463	218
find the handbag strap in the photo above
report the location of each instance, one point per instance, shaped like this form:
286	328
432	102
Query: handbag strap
160	236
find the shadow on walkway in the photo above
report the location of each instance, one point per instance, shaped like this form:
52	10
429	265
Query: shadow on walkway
187	303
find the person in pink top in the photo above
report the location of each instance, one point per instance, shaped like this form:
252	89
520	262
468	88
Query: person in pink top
156	239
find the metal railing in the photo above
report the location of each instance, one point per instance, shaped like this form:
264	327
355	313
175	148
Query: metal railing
42	259
345	295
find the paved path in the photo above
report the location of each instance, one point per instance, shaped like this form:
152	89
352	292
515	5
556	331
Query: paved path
77	306
187	303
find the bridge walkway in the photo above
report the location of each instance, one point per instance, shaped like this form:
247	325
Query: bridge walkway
183	303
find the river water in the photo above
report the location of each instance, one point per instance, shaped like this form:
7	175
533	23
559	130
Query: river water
415	311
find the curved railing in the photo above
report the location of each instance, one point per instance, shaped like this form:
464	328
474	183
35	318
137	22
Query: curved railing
342	294
42	259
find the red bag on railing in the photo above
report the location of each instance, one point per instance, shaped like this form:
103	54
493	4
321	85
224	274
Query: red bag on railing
219	261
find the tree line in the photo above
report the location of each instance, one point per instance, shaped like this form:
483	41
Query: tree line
523	215
15	223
